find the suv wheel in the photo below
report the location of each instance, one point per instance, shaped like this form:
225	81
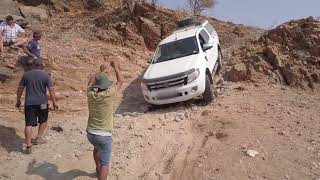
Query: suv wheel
208	94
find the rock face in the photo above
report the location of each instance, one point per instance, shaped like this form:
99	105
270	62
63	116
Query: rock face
290	53
151	33
298	35
30	12
5	74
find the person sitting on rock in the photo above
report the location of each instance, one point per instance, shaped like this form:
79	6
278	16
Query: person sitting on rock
32	48
10	34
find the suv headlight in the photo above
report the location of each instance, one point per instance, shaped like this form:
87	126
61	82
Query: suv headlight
194	75
144	86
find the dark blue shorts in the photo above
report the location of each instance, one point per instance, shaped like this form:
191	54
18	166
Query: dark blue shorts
35	114
104	146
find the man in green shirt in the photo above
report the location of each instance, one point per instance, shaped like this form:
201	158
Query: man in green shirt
101	97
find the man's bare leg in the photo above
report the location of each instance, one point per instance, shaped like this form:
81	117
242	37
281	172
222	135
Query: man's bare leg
28	135
103	174
42	128
20	42
96	157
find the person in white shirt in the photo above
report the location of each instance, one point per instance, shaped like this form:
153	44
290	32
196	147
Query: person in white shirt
11	34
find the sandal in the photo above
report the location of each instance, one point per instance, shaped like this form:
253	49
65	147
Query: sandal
29	150
40	140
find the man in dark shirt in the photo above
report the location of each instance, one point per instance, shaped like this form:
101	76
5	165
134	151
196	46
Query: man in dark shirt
33	48
36	82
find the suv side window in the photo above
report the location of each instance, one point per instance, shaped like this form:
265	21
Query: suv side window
203	38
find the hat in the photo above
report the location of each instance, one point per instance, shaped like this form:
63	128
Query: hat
102	82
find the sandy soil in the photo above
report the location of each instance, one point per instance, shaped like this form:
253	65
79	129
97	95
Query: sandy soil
183	141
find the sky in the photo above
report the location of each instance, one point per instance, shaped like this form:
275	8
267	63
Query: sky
258	13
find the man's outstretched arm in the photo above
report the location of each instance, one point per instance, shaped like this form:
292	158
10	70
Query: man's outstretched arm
119	76
53	98
92	80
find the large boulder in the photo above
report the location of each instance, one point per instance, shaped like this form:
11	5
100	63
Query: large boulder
151	33
9	7
239	72
30	12
93	4
274	56
58	5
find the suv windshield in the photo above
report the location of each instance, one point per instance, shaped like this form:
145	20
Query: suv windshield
176	49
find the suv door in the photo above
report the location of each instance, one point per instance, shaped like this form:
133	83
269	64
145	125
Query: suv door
212	53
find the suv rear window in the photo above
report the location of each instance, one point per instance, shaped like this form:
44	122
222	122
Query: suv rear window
176	49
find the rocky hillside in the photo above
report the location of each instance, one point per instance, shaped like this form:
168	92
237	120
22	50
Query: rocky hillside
79	34
288	54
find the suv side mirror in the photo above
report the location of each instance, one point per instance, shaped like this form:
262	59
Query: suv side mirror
207	46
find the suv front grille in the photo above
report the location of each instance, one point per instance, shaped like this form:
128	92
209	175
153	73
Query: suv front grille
177	82
174	80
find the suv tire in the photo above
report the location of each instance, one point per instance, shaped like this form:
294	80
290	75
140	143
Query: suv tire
208	94
219	62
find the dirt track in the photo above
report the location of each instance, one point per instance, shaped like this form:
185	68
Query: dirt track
182	142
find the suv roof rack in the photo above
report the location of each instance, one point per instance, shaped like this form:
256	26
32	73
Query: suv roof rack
187	22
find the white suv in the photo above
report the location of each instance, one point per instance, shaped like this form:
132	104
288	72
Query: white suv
183	65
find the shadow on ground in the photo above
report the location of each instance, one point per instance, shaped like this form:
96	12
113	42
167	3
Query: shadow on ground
49	171
10	140
132	100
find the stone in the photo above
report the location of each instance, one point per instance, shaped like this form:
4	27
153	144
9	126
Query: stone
6	175
274	56
57	156
220	82
77	154
238	31
93	4
177	119
58	5
187	115
5	74
101	21
239	72
30	12
252	153
58	129
195	108
205	113
240	88
151	32
9	7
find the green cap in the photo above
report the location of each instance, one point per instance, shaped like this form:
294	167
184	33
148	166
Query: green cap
102	81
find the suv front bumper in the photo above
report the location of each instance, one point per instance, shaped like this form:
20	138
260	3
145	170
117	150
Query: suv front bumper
175	94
